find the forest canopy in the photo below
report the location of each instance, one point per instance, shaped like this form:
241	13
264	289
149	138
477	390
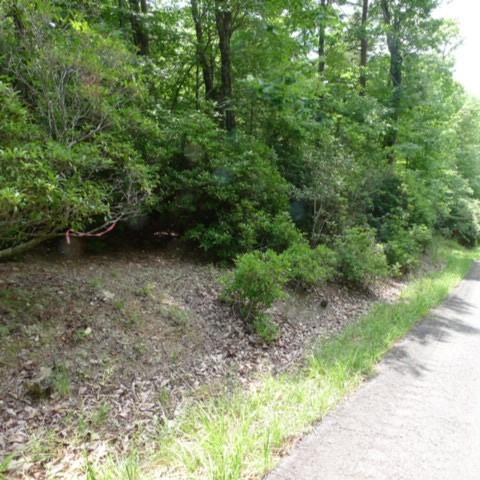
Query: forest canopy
240	125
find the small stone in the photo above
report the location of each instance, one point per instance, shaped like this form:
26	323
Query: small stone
106	295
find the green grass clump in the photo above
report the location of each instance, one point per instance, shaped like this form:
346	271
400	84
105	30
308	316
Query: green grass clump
241	435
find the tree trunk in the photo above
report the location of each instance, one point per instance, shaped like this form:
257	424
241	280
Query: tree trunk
15	13
396	68
24	247
321	37
224	21
364	48
121	14
206	63
140	35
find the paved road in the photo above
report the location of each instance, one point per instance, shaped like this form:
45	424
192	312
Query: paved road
418	418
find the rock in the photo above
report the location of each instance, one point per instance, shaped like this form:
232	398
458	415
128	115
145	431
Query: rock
106	295
41	387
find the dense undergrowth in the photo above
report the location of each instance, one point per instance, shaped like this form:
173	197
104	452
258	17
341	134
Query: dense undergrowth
109	115
241	435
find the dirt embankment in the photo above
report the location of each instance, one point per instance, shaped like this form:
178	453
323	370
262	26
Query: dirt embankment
98	351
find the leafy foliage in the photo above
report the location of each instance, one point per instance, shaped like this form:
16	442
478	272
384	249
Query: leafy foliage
257	282
222	124
360	259
68	157
308	267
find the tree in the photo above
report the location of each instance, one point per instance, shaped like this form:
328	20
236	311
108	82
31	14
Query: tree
225	18
205	53
321	34
138	10
363	47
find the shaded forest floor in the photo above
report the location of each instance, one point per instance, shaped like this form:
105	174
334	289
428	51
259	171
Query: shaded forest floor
97	351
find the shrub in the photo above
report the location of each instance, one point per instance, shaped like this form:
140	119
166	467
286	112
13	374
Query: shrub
308	266
260	277
278	233
224	194
258	280
459	211
46	187
244	230
69	155
404	244
360	259
463	222
422	234
266	328
402	252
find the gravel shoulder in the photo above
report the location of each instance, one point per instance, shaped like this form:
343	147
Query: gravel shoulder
418	417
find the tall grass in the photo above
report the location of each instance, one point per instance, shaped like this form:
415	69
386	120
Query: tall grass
240	436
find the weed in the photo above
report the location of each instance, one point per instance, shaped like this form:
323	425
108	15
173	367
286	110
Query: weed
97	283
82	426
100	416
4	331
266	328
61	380
132	318
177	315
83	333
147	290
4	466
90	471
139	349
42	447
174	356
127	469
15	300
119	305
164	396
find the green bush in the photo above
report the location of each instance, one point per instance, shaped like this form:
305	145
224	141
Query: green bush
47	187
266	328
404	244
257	281
422	234
402	252
224	194
69	152
463	222
308	266
360	259
458	209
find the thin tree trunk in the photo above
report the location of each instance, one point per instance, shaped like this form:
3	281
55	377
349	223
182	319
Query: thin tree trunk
396	68
321	37
224	21
24	247
140	35
364	48
206	63
121	14
197	87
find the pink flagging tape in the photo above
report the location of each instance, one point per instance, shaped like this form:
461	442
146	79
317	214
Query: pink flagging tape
71	233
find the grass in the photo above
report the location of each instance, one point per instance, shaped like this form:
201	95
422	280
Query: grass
101	415
240	436
61	381
127	469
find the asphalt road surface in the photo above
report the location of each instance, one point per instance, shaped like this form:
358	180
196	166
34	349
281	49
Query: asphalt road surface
418	418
